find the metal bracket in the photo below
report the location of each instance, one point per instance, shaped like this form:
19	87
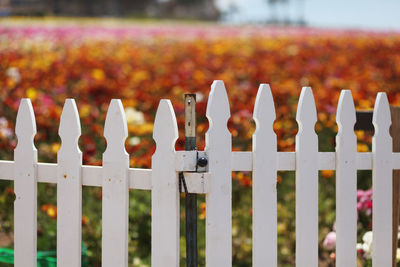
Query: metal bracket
191	161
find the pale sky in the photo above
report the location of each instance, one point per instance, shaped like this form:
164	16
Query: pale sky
365	14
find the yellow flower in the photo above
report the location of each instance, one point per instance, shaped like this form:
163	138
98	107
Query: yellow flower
140	76
362	148
143	129
55	147
98	74
52	212
31	93
85	110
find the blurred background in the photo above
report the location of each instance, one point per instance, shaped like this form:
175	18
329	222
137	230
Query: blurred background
144	50
370	14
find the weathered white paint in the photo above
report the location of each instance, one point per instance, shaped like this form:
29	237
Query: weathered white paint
346	183
216	183
115	189
25	188
69	189
92	176
241	161
306	182
219	197
164	190
187	160
382	184
264	181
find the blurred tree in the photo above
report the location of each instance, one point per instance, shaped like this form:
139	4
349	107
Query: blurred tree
188	9
275	17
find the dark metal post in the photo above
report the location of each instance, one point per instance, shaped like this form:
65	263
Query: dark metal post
191	199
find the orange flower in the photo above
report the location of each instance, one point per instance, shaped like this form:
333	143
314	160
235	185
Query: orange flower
202	215
85	220
327	173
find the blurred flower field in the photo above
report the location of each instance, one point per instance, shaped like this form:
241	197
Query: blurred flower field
143	63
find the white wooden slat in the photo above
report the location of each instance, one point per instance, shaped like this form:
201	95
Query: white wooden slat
6	170
25	188
115	208
140	179
346	183
286	161
382	184
197	182
219	197
306	182
264	181
326	160
46	172
396	161
92	176
242	161
69	188
185	160
164	192
364	161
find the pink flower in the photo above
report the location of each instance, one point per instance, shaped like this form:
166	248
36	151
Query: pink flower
364	203
330	241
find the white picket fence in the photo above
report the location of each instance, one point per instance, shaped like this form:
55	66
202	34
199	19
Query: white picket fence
264	161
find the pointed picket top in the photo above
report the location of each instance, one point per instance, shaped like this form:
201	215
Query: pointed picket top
164	189
25	187
382	183
306	115
218	111
264	201
26	123
306	182
381	118
25	127
115	128
165	131
70	127
346	182
346	113
264	108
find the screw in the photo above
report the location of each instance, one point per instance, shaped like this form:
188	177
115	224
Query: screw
202	162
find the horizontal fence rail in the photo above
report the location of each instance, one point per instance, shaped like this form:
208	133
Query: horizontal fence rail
116	178
197	182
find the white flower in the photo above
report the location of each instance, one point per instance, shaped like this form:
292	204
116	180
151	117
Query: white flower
5	131
367	245
133	141
134	116
367	238
14	74
398	254
199	97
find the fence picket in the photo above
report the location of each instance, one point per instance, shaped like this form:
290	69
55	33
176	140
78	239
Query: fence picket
306	182
69	188
382	184
346	182
219	198
164	191
25	188
264	181
162	180
115	209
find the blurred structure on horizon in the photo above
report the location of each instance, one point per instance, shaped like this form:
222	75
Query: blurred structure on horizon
271	12
182	9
